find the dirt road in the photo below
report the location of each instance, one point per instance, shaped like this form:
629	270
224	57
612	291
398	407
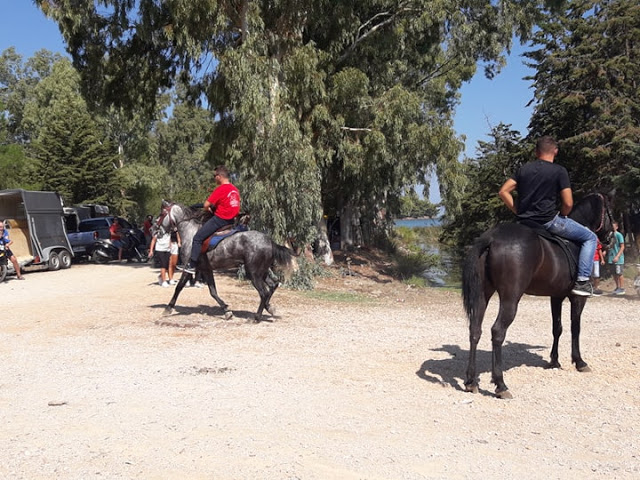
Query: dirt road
360	379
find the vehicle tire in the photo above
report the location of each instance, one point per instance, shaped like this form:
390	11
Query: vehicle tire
54	262
97	258
3	272
65	258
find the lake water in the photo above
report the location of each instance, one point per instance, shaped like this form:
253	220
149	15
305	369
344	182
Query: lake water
417	222
446	272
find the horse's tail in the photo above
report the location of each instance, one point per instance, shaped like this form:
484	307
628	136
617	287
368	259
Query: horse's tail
285	259
473	278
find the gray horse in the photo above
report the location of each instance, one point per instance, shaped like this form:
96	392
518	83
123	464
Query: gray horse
257	251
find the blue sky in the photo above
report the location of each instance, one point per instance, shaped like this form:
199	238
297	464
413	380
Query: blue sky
485	103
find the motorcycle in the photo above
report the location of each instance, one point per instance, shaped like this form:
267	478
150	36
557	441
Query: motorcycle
133	248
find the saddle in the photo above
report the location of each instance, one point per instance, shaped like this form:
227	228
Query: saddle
570	248
240	224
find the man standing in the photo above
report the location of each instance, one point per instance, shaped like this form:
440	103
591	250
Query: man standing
224	203
615	257
540	184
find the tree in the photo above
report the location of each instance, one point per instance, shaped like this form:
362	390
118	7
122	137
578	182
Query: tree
481	208
331	106
586	93
74	159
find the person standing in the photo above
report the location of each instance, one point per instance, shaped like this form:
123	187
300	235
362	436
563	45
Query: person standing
598	259
615	257
115	232
146	229
161	247
176	243
540	185
224	203
4	238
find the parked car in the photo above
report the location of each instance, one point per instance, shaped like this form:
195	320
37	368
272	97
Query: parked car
35	222
102	224
81	242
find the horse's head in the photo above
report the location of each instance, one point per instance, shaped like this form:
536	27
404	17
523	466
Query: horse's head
169	216
593	212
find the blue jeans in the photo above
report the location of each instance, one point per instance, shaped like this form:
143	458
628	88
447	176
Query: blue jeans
570	229
212	225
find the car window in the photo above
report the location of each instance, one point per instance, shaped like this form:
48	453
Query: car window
93	224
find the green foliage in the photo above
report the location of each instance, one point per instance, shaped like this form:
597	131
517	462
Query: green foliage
73	159
586	92
413	206
334	106
304	277
13	168
481	207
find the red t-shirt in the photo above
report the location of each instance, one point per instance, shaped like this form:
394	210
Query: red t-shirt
226	200
115	231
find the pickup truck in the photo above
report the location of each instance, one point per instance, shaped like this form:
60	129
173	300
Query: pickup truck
81	241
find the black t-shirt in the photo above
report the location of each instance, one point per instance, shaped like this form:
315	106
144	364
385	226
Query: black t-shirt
539	184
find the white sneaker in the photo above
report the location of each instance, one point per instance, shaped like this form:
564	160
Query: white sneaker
159	279
172	282
164	284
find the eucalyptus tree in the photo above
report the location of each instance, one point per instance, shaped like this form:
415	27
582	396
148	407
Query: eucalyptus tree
328	106
587	94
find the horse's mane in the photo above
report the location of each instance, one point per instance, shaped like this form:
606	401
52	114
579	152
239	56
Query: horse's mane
588	209
196	214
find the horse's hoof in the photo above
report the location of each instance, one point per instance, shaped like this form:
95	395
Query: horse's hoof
471	388
584	369
228	315
554	365
271	310
505	394
167	312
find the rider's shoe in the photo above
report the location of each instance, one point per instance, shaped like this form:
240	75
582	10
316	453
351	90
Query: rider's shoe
189	268
583	288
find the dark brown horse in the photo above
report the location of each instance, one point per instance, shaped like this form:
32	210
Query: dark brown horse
513	259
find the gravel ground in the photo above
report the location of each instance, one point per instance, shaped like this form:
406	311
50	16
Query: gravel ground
360	379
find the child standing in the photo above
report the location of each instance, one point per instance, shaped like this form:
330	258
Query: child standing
615	257
161	246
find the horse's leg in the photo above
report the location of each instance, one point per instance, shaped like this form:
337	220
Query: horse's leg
577	305
475	332
272	285
181	283
506	314
207	275
556	318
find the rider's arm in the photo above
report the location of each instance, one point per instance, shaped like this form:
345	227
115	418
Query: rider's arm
208	206
505	194
566	197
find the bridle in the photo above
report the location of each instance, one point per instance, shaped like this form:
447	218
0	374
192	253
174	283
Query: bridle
166	211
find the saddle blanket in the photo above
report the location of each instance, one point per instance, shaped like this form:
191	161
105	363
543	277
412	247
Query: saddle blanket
211	242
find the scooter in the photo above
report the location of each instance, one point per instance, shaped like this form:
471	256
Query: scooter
104	250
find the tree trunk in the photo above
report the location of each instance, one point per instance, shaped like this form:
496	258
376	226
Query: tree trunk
350	229
322	246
